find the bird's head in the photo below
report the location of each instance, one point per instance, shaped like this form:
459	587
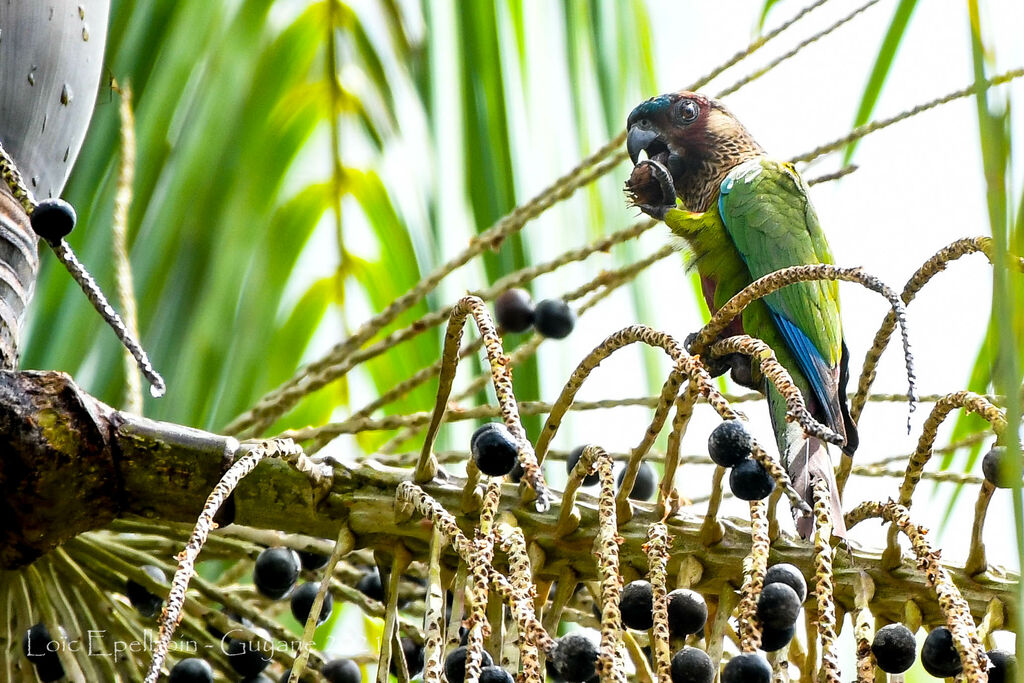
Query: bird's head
692	138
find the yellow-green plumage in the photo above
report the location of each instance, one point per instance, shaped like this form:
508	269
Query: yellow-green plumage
744	216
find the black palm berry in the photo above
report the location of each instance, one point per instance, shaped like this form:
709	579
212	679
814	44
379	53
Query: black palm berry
939	656
992	468
413	653
789	575
687	612
304	678
342	671
1004	667
575	658
247	658
514	310
302	603
645	485
275	572
750	481
516	475
778	606
217	633
53	220
691	665
637	605
495	674
729	443
455	664
573	458
312	561
485	427
776	639
41	649
747	668
894	648
370	585
191	670
554	319
225	514
494	450
146	603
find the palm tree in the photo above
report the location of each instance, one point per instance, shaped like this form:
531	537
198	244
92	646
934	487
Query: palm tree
315	185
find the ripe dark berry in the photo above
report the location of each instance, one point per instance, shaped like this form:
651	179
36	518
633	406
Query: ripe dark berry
778	606
41	649
146	603
554	319
938	655
313	561
992	468
302	603
772	639
455	664
1004	667
789	575
747	668
231	616
729	443
495	674
413	653
53	220
573	458
645	485
275	572
516	475
687	612
342	671
304	678
637	605
514	310
494	451
247	658
750	481
225	514
894	648
370	585
691	665
575	657
191	670
485	427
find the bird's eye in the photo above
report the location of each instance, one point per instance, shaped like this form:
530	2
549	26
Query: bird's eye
644	123
688	111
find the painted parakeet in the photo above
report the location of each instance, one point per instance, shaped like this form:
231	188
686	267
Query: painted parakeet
744	215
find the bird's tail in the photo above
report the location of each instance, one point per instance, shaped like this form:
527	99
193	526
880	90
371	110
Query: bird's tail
809	462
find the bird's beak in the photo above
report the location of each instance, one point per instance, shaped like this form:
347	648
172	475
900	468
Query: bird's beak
637	140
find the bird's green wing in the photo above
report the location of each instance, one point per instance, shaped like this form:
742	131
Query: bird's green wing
769	218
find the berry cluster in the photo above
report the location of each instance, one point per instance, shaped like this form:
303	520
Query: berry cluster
455	668
778	606
730	446
687	614
515	312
